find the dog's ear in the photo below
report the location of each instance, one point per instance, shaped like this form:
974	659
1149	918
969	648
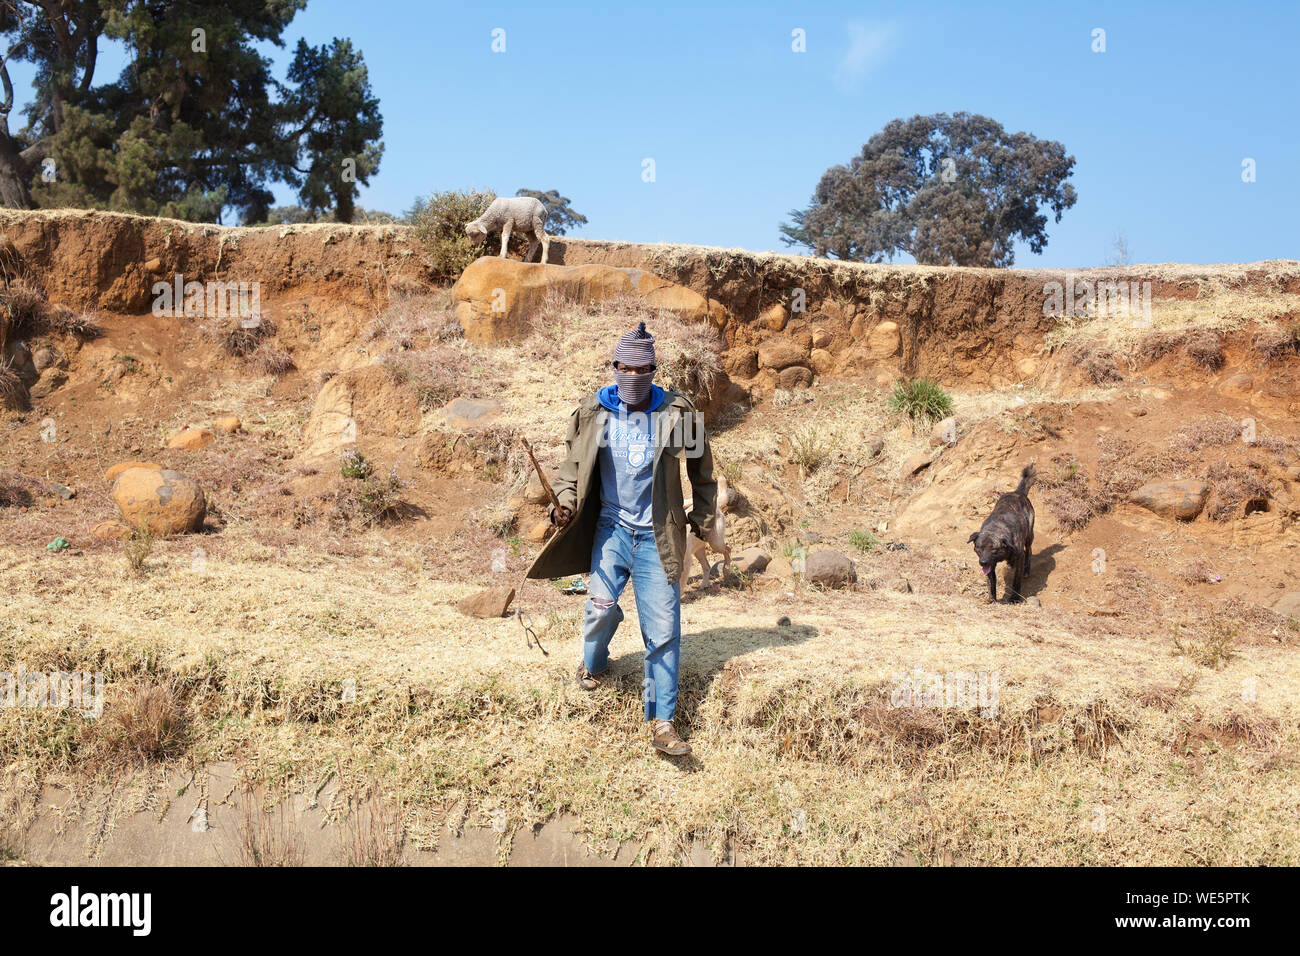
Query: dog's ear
973	536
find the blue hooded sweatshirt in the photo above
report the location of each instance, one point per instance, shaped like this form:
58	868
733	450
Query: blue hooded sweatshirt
626	460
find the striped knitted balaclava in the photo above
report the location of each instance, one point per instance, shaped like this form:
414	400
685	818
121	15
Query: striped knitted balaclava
635	348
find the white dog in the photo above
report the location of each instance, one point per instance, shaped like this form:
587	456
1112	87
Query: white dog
717	541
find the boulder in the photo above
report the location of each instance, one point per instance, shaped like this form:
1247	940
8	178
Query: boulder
228	425
795	376
164	501
774	317
874	445
495	298
915	464
822	361
829	569
882	342
1240	385
470	412
52	378
781	353
1182	500
110	530
44	358
494	602
539	531
741	362
944	432
821	339
751	561
192	439
112	473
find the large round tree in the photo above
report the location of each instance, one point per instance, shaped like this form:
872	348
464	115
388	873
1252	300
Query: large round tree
946	189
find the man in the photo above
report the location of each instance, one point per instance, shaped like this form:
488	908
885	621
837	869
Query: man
621	516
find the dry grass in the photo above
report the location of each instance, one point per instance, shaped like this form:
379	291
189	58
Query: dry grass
13	393
270	838
413	320
65	321
372	834
272	360
243	337
459	712
146	724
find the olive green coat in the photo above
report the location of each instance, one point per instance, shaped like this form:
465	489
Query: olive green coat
578	487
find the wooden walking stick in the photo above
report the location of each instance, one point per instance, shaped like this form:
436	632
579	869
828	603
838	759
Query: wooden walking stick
546	485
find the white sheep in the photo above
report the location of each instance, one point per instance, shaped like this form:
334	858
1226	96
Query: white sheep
522	214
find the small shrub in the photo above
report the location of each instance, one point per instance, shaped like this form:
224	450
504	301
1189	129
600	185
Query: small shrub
16	490
270	839
136	547
1210	645
1206	432
1070	497
365	496
437	374
355	465
439	224
921	399
1198	572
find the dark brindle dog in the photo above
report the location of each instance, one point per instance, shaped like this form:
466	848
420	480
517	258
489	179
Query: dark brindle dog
1008	535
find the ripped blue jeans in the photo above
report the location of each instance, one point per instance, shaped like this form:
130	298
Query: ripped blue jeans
620	553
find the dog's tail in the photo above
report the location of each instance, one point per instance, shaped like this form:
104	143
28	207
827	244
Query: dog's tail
1026	479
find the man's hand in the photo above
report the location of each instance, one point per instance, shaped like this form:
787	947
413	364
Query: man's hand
561	516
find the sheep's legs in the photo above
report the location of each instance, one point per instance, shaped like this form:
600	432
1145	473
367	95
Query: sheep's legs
546	245
505	238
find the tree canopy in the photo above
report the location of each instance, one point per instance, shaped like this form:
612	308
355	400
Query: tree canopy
947	189
195	124
560	218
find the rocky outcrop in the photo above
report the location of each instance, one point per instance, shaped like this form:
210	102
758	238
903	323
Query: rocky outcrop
497	298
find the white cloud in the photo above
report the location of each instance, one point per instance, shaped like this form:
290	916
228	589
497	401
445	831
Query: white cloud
869	46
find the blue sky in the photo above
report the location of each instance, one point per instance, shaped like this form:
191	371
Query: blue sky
740	127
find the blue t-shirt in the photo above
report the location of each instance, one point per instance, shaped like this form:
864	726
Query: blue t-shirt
627	468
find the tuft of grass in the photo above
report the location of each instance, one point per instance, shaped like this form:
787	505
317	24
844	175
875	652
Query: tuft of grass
24	302
373	835
270	838
1274	342
242	339
1205	349
273	360
864	540
809	449
364	495
921	400
13	393
148	725
65	321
